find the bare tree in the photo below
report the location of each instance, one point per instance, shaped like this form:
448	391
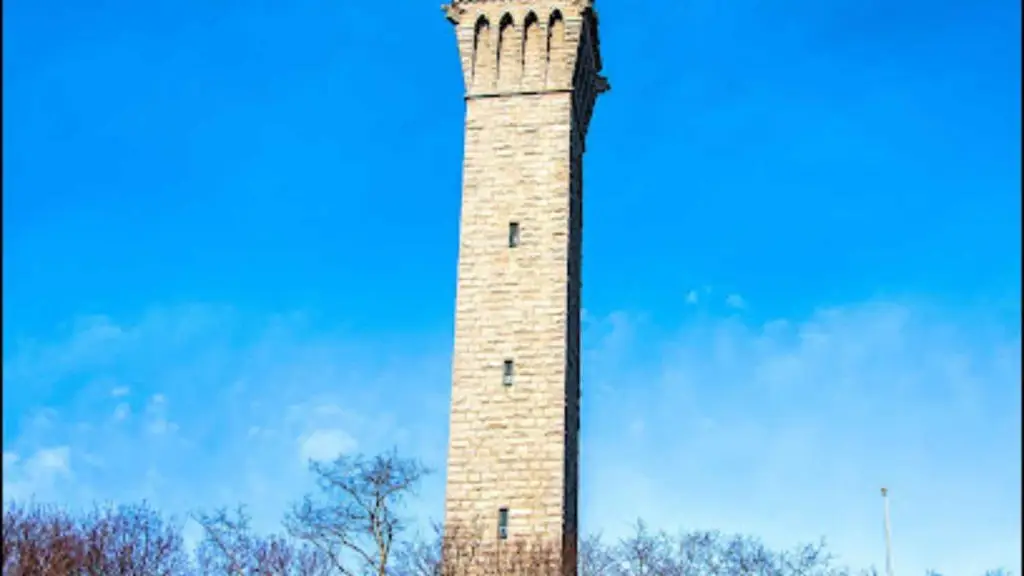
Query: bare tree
41	540
701	553
134	540
354	526
422	557
460	551
358	515
230	548
594	558
992	572
643	553
123	541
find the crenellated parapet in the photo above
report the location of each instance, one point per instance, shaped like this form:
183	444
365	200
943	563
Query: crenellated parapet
519	47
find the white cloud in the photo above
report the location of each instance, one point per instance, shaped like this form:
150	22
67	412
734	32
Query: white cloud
160	426
24	479
52	460
43	418
789	428
156	411
692	297
636	428
10	458
120	391
735	301
122	411
325	444
758	428
235	382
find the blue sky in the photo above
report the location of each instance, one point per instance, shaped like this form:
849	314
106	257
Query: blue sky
230	238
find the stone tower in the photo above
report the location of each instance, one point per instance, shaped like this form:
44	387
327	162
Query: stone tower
532	74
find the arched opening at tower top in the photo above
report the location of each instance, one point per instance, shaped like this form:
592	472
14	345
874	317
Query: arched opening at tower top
555	49
506	47
532	48
483	53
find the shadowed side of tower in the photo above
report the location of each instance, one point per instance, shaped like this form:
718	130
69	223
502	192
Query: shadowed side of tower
531	71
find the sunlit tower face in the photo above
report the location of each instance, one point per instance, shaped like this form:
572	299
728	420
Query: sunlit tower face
531	72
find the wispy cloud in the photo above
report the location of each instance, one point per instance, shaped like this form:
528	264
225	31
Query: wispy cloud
786	428
122	411
43	469
735	301
156	412
789	428
228	404
321	445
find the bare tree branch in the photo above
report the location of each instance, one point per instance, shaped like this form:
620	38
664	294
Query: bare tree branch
355	526
358	514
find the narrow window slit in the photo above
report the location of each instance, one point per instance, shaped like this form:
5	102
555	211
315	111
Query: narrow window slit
503	524
513	234
508	373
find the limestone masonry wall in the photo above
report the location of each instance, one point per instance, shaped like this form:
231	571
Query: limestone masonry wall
531	77
506	442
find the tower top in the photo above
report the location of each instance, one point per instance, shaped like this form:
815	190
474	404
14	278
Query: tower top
455	7
527	46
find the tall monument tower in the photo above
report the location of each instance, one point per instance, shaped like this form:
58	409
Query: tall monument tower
532	74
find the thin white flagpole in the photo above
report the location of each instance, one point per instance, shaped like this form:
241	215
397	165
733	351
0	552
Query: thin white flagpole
888	534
